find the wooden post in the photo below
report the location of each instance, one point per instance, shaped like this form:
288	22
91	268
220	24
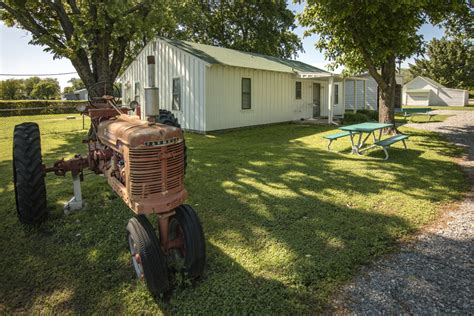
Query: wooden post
344	96
330	105
355	96
365	95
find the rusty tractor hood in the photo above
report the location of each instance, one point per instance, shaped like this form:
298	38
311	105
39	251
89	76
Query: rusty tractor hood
133	132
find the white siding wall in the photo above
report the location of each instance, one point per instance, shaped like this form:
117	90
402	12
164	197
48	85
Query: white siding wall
349	92
449	97
371	94
367	100
171	63
272	94
419	99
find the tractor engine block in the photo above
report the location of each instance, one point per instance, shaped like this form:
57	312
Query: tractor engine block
143	162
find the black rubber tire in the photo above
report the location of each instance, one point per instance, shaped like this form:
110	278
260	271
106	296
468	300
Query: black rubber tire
194	243
28	174
168	118
153	260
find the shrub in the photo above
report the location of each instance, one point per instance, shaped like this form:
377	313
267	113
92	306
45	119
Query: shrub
371	114
36	107
354	118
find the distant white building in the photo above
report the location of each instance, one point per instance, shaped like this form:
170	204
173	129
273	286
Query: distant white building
361	92
80	94
424	91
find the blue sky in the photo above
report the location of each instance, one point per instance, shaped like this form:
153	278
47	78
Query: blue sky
18	57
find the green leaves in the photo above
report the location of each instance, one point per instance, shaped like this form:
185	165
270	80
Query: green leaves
30	88
449	62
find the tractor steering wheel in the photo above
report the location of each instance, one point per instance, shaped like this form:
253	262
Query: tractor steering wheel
103	92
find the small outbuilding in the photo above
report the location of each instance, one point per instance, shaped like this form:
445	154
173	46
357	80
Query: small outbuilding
212	88
423	91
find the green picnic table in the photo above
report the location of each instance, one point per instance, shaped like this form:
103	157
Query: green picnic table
368	129
409	112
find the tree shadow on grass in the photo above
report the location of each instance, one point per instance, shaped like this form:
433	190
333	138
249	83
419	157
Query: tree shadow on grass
282	221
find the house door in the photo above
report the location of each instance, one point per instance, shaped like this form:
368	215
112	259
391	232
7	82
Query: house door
316	100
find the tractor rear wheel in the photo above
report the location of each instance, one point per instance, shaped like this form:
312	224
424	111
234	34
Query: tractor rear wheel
190	256
28	174
168	118
148	259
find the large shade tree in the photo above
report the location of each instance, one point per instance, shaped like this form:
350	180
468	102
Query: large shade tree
96	36
100	37
264	27
372	35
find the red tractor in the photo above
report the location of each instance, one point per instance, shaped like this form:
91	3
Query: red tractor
144	162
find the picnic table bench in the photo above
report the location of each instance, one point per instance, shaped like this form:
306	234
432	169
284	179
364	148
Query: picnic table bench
336	136
390	141
370	129
409	112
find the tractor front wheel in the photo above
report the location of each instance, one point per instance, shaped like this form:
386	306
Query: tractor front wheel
185	230
28	174
148	259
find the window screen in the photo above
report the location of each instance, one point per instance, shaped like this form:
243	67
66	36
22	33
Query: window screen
246	93
336	94
137	92
298	89
176	105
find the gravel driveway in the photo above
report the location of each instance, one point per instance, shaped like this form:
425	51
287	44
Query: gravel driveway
435	273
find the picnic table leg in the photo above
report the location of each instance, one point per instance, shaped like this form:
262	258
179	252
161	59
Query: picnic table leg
329	145
386	152
404	144
359	144
353	150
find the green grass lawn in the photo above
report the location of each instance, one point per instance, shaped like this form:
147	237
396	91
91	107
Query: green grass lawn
421	119
286	222
455	108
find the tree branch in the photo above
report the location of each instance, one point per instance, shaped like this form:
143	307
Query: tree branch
368	62
28	22
64	20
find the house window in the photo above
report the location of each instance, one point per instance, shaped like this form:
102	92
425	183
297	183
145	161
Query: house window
137	91
176	105
336	94
246	94
298	90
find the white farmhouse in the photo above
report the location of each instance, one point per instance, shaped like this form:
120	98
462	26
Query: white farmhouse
425	91
212	88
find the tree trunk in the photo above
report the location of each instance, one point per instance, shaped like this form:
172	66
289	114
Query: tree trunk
387	92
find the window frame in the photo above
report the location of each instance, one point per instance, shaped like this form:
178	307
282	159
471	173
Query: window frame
336	93
300	90
249	94
136	91
178	94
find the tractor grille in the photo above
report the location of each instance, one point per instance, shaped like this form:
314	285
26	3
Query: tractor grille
156	169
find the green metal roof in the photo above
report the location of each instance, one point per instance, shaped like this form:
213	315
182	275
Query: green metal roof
231	57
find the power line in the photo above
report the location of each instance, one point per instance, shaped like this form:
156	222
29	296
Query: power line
39	75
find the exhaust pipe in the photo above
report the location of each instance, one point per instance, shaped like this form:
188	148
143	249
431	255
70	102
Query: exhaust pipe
151	91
